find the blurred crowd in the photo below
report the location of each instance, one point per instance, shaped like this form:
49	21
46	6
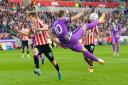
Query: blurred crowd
98	0
94	0
12	16
106	0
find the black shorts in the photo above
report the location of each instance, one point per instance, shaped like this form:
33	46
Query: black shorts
24	44
90	47
46	50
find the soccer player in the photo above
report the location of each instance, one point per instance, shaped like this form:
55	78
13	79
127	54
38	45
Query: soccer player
71	39
89	44
39	55
40	44
25	41
116	32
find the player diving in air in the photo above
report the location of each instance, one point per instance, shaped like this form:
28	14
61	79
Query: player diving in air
66	39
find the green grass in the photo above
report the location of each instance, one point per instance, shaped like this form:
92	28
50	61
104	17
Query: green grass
15	71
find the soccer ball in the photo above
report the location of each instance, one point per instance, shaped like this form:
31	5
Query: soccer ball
93	16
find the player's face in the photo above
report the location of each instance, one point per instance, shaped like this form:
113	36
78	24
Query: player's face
116	21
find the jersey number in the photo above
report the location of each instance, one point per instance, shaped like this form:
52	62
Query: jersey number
58	29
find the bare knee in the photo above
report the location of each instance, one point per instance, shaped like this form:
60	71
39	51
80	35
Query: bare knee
35	51
54	62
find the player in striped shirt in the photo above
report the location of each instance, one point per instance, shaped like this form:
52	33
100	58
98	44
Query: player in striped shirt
25	40
89	43
40	43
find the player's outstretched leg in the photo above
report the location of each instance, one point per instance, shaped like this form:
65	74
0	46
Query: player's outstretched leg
55	64
48	53
94	23
57	68
91	56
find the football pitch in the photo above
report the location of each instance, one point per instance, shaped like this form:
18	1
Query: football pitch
17	71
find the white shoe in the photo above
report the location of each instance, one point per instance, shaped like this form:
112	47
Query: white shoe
101	61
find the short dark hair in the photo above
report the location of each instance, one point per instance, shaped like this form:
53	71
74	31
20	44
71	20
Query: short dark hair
61	13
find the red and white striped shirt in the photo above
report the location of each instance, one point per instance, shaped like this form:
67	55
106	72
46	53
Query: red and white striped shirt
25	38
39	37
90	36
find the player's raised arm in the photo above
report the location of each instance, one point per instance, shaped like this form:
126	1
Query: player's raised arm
56	40
73	18
23	33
